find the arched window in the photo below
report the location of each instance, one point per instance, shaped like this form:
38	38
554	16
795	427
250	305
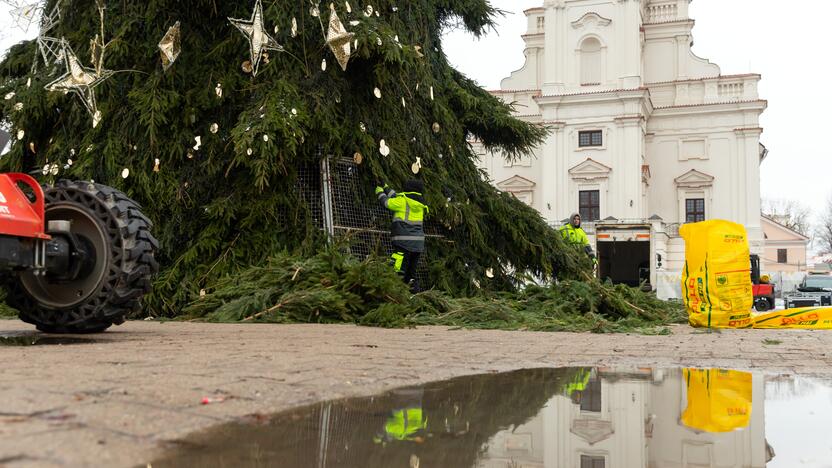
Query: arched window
591	61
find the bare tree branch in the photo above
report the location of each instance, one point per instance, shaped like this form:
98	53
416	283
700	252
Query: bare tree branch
790	213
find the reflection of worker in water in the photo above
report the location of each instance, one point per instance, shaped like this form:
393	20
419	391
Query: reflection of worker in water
577	384
405	423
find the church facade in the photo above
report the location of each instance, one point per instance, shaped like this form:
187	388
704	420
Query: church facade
645	135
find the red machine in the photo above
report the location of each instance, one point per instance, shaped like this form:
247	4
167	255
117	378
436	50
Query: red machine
75	257
763	289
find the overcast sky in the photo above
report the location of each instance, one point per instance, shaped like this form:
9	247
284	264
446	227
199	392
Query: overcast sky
776	39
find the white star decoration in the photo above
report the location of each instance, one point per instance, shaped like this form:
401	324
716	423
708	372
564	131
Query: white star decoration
258	39
24	14
81	81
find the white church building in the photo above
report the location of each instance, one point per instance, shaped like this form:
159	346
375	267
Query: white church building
645	135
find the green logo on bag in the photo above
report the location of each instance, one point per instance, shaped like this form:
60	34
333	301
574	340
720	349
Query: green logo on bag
722	280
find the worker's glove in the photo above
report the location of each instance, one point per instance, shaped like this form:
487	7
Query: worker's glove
379	190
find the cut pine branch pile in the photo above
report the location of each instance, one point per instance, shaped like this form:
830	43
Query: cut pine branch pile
332	287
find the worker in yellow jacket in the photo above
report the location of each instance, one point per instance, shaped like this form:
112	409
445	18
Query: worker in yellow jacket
575	235
407	231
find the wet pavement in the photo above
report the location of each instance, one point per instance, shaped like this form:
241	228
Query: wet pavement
570	417
127	397
29	338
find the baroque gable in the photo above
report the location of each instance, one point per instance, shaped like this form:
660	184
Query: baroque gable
591	18
516	184
590	170
695	179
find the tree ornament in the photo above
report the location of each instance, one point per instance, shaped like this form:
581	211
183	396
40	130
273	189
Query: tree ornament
404	103
417	166
323	65
418	50
24	15
348	7
198	140
383	148
215	127
20	134
362	127
249	151
171	46
125	173
190	154
377	93
9	96
32	147
69	162
218	90
314	11
294	27
358	158
431	93
368	11
156	164
436	128
379	42
81	81
266	138
247	68
96	118
18	107
258	39
339	40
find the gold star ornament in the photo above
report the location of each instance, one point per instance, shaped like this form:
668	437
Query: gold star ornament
81	81
258	39
339	40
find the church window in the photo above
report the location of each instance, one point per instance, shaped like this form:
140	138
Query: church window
591	138
694	210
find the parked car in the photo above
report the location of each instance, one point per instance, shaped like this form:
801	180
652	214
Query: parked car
814	291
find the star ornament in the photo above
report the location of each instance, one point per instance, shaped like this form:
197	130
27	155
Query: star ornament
339	40
81	81
258	39
24	15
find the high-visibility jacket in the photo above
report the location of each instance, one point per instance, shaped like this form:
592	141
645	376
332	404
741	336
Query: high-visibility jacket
405	424
577	236
409	210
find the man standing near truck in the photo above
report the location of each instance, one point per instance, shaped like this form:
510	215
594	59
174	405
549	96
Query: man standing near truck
575	235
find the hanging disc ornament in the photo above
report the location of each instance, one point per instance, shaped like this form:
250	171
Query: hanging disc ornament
383	148
247	67
417	166
358	158
249	151
156	164
362	127
198	140
214	128
20	134
368	11
377	93
436	128
9	96
125	173
323	65
294	27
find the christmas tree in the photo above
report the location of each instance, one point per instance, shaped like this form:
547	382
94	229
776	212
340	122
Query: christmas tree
207	113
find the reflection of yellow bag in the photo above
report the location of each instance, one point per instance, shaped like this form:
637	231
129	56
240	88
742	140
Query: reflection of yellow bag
717	276
718	400
807	318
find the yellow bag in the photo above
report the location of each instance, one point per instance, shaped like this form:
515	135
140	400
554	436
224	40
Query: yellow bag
717	276
809	318
718	400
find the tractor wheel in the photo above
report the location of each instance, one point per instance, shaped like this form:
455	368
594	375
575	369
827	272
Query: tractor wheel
124	263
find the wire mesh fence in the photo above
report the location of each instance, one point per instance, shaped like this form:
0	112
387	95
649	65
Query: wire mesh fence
343	205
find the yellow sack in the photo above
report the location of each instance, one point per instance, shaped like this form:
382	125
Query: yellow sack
718	400
810	318
716	280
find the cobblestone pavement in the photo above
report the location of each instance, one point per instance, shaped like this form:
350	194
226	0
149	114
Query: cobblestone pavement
117	400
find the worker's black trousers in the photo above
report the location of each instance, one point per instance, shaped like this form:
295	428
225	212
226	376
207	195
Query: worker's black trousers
409	263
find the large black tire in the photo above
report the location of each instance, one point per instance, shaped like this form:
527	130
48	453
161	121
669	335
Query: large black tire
125	263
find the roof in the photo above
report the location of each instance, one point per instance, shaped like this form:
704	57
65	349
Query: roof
784	227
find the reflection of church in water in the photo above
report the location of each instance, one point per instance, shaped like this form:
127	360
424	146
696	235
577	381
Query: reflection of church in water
640	419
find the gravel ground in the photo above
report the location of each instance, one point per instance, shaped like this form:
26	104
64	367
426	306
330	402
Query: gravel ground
118	398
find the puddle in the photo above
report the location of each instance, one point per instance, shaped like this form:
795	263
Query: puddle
39	339
545	418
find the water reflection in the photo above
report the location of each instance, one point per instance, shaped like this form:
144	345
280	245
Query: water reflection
545	418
